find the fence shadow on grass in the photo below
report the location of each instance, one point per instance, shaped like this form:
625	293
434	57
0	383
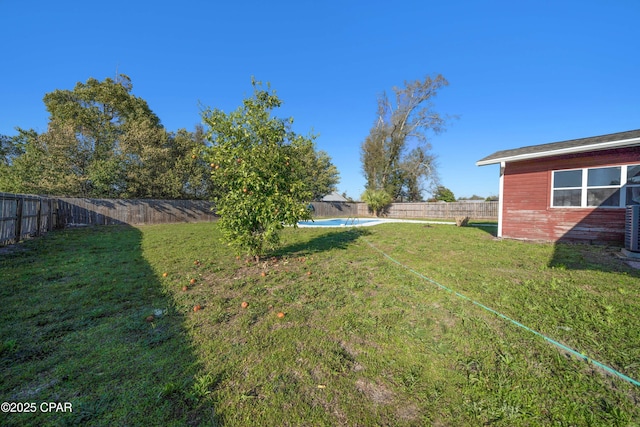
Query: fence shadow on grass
75	328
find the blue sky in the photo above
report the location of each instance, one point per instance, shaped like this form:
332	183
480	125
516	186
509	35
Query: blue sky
520	72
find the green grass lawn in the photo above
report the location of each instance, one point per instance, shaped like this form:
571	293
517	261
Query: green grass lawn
363	341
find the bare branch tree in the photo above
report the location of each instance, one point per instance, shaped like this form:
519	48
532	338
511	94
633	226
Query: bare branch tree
395	155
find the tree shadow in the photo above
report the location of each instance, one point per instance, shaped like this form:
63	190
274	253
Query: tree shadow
86	320
327	241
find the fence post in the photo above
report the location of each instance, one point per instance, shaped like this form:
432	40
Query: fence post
39	216
49	214
19	202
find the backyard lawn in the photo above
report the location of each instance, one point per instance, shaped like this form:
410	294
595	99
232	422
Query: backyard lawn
145	326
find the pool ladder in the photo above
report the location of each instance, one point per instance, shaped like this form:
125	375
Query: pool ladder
353	220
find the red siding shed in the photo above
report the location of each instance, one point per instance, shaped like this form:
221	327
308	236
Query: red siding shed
526	189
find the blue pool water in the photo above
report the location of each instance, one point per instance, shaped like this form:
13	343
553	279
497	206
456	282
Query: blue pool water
338	222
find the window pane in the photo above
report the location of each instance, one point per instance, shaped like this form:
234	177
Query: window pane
603	176
603	197
633	195
633	174
564	179
566	197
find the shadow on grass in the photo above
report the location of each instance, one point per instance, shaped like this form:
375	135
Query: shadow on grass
488	227
590	240
76	327
582	256
327	241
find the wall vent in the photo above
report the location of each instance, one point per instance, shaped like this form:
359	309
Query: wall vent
632	228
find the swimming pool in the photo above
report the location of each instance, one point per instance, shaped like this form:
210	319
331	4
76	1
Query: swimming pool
363	222
340	222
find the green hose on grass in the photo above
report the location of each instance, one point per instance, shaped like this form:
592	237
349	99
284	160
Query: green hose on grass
526	328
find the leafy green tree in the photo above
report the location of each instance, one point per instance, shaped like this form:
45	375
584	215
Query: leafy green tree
8	150
169	167
146	162
443	194
254	159
190	176
396	154
109	138
5	161
102	141
318	173
26	172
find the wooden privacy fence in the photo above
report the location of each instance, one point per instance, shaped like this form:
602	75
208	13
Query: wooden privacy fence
474	210
124	211
435	210
24	216
29	215
346	209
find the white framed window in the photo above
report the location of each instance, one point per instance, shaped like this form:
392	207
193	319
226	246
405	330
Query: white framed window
605	187
633	185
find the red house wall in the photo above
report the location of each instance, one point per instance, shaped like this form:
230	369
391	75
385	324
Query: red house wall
527	211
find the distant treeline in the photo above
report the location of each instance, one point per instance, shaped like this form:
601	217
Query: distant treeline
104	142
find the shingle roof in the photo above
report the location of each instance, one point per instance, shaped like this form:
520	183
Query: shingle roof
334	197
603	142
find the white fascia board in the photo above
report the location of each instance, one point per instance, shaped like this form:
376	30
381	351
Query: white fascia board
501	198
569	150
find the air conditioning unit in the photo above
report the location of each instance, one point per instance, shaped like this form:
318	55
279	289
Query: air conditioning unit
632	229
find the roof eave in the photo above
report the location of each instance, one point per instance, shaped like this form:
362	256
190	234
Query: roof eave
558	152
